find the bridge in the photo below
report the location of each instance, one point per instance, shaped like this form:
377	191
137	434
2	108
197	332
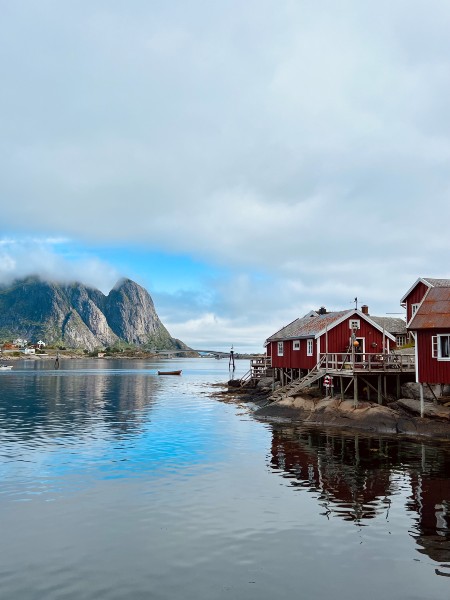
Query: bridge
172	352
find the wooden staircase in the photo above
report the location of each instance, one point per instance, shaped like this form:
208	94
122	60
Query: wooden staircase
299	384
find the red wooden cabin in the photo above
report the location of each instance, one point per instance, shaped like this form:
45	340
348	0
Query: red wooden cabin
301	344
428	306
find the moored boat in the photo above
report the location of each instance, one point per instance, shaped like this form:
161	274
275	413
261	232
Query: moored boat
5	367
170	372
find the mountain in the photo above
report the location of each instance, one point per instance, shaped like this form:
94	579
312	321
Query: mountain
78	316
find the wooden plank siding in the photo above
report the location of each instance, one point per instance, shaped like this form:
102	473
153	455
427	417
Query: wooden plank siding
339	338
293	359
415	297
430	370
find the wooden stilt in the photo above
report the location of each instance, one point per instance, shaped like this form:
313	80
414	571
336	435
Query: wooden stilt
422	406
380	398
355	391
341	381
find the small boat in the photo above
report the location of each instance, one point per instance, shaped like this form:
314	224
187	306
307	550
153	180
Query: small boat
6	367
170	372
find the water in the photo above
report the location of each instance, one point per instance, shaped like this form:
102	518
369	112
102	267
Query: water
116	483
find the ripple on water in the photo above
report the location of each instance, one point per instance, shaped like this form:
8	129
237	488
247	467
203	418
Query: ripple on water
117	483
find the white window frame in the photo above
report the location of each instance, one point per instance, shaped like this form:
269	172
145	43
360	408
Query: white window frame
309	347
296	345
354	324
400	340
436	346
414	308
280	348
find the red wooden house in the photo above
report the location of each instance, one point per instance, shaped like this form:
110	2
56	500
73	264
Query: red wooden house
427	305
298	347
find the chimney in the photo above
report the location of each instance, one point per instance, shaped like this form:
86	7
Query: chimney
365	309
322	310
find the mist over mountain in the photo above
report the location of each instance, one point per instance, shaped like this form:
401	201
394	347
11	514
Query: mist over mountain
79	316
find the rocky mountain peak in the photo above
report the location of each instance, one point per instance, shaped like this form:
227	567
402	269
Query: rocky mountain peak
80	316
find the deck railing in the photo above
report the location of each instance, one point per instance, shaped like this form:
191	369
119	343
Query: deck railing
259	366
341	361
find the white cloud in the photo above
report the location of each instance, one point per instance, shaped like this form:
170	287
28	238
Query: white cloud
21	258
309	142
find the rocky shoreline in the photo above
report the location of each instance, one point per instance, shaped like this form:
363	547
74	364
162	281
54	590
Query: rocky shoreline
400	417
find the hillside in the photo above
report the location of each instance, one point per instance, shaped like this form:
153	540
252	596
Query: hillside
78	316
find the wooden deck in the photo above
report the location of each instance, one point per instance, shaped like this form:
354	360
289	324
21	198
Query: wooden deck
347	366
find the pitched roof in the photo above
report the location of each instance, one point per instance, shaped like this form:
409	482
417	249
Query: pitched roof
430	282
434	311
393	325
307	326
437	282
315	325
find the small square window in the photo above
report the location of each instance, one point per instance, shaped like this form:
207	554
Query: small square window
354	324
414	309
401	340
296	345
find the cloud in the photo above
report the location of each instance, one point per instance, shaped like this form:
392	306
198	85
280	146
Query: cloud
20	258
306	142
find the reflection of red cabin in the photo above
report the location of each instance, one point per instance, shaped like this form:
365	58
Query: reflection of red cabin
427	305
300	344
350	491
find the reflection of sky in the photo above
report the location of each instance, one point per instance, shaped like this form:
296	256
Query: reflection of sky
168	493
177	431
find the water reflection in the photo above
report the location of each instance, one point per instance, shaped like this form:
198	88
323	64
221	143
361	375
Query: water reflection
355	478
56	402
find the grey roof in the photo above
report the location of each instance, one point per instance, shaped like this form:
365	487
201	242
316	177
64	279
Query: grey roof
307	326
393	325
437	282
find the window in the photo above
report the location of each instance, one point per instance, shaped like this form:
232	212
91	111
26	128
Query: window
280	348
414	308
309	347
296	345
354	323
440	347
400	340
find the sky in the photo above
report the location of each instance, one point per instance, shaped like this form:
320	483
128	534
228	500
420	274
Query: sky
245	162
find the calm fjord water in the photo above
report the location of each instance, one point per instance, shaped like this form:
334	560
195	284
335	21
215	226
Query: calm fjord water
116	483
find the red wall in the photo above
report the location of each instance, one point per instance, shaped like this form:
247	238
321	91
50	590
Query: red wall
338	337
415	297
293	359
431	370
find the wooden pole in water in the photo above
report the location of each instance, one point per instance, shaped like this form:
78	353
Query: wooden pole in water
231	361
422	406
